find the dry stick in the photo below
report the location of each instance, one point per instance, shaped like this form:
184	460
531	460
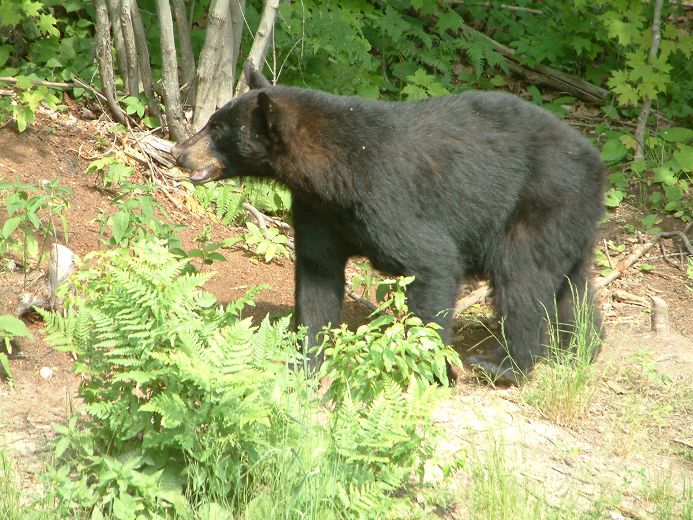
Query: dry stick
502	6
474	297
538	74
117	38
103	53
132	81
544	75
259	217
145	67
169	72
636	255
261	43
187	58
208	66
647	103
40	83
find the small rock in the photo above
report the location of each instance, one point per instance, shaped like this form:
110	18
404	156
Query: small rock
46	373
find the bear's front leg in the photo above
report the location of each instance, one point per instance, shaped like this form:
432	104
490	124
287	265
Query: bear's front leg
320	261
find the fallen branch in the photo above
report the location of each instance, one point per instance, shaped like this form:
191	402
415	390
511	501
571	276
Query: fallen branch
259	217
637	254
40	83
474	297
359	299
545	75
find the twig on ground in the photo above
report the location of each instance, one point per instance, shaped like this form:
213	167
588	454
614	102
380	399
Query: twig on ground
259	217
683	443
637	254
474	297
608	256
360	299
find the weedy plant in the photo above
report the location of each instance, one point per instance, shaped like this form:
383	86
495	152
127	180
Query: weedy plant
562	386
190	410
139	215
268	243
10	327
32	211
394	347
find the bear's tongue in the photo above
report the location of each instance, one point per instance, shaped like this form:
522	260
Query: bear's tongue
205	174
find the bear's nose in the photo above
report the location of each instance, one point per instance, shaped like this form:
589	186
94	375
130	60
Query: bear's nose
175	151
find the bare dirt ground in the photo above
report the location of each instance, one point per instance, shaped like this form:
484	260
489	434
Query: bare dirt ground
636	435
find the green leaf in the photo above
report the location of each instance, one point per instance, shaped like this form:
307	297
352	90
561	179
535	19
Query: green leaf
4	54
665	175
10	225
613	150
11	326
649	220
24	83
646	268
31	244
684	157
121	220
676	134
24	117
613	197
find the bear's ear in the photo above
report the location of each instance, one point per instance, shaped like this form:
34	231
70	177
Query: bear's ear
254	78
272	118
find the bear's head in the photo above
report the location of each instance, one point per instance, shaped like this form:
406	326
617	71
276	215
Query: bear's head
241	138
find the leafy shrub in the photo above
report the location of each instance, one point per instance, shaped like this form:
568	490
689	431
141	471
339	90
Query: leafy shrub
392	348
190	409
10	327
31	214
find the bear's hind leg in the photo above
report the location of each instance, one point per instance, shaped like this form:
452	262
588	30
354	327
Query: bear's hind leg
524	296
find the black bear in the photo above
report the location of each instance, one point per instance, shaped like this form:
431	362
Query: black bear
475	184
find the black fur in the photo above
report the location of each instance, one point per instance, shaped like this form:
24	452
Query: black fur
480	183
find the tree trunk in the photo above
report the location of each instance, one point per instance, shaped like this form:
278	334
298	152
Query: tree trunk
174	113
103	53
117	37
261	43
225	77
641	127
143	59
125	18
208	67
187	59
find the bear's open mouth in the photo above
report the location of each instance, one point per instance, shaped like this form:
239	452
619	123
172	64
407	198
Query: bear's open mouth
205	174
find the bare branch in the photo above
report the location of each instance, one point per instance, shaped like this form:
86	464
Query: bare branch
647	102
261	43
174	113
637	254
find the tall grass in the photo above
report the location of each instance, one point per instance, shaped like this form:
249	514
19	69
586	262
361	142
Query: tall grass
499	491
10	506
562	387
